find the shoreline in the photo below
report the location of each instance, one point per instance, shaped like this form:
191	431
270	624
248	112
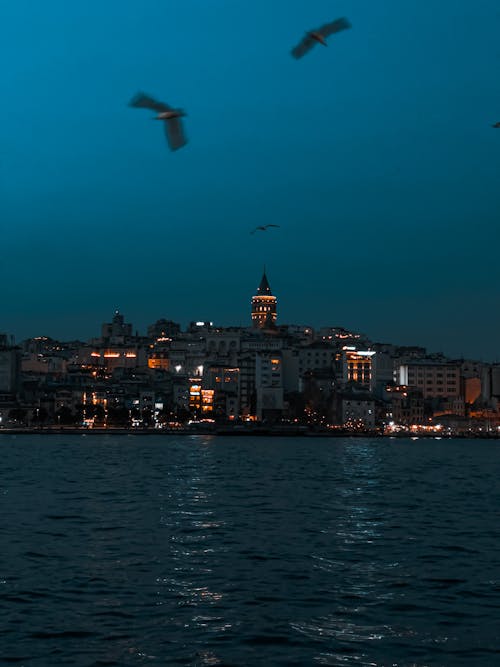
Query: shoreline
245	432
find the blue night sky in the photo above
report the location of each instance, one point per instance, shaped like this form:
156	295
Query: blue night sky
376	156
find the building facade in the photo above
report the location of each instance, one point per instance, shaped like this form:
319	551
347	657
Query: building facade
264	305
433	379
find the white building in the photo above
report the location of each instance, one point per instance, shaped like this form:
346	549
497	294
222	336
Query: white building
269	385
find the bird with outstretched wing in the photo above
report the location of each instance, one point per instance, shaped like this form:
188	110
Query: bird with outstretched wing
262	228
319	35
172	117
141	100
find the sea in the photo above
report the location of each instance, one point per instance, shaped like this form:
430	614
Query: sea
259	551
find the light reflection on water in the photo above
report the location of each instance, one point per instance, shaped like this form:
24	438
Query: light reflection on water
206	551
351	560
190	516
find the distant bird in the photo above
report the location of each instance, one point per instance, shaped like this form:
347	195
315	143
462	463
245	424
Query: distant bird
497	125
318	36
262	228
172	117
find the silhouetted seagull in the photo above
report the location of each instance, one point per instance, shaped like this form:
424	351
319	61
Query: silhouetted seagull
319	35
172	117
262	228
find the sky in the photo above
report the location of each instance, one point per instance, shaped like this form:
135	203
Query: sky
375	155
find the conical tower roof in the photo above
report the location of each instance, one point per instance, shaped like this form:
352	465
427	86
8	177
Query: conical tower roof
264	289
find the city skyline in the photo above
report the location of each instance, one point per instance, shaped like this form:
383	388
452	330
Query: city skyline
331	378
376	158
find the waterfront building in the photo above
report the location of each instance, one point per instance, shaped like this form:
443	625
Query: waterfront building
358	366
220	393
10	366
406	405
246	364
435	379
67	397
256	342
321	398
180	392
358	410
291	369
452	405
10	369
489	380
494	379
195	396
269	386
383	370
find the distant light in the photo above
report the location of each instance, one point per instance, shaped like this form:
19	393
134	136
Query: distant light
178	367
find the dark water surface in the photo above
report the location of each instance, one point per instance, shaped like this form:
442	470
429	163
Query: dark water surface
237	551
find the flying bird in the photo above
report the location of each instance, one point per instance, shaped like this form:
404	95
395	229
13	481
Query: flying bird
318	36
262	228
497	125
172	117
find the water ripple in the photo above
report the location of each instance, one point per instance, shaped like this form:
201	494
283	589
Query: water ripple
233	552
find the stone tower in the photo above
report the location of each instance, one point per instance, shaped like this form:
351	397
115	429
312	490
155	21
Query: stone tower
263	305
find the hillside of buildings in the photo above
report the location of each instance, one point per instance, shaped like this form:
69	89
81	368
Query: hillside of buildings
266	373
